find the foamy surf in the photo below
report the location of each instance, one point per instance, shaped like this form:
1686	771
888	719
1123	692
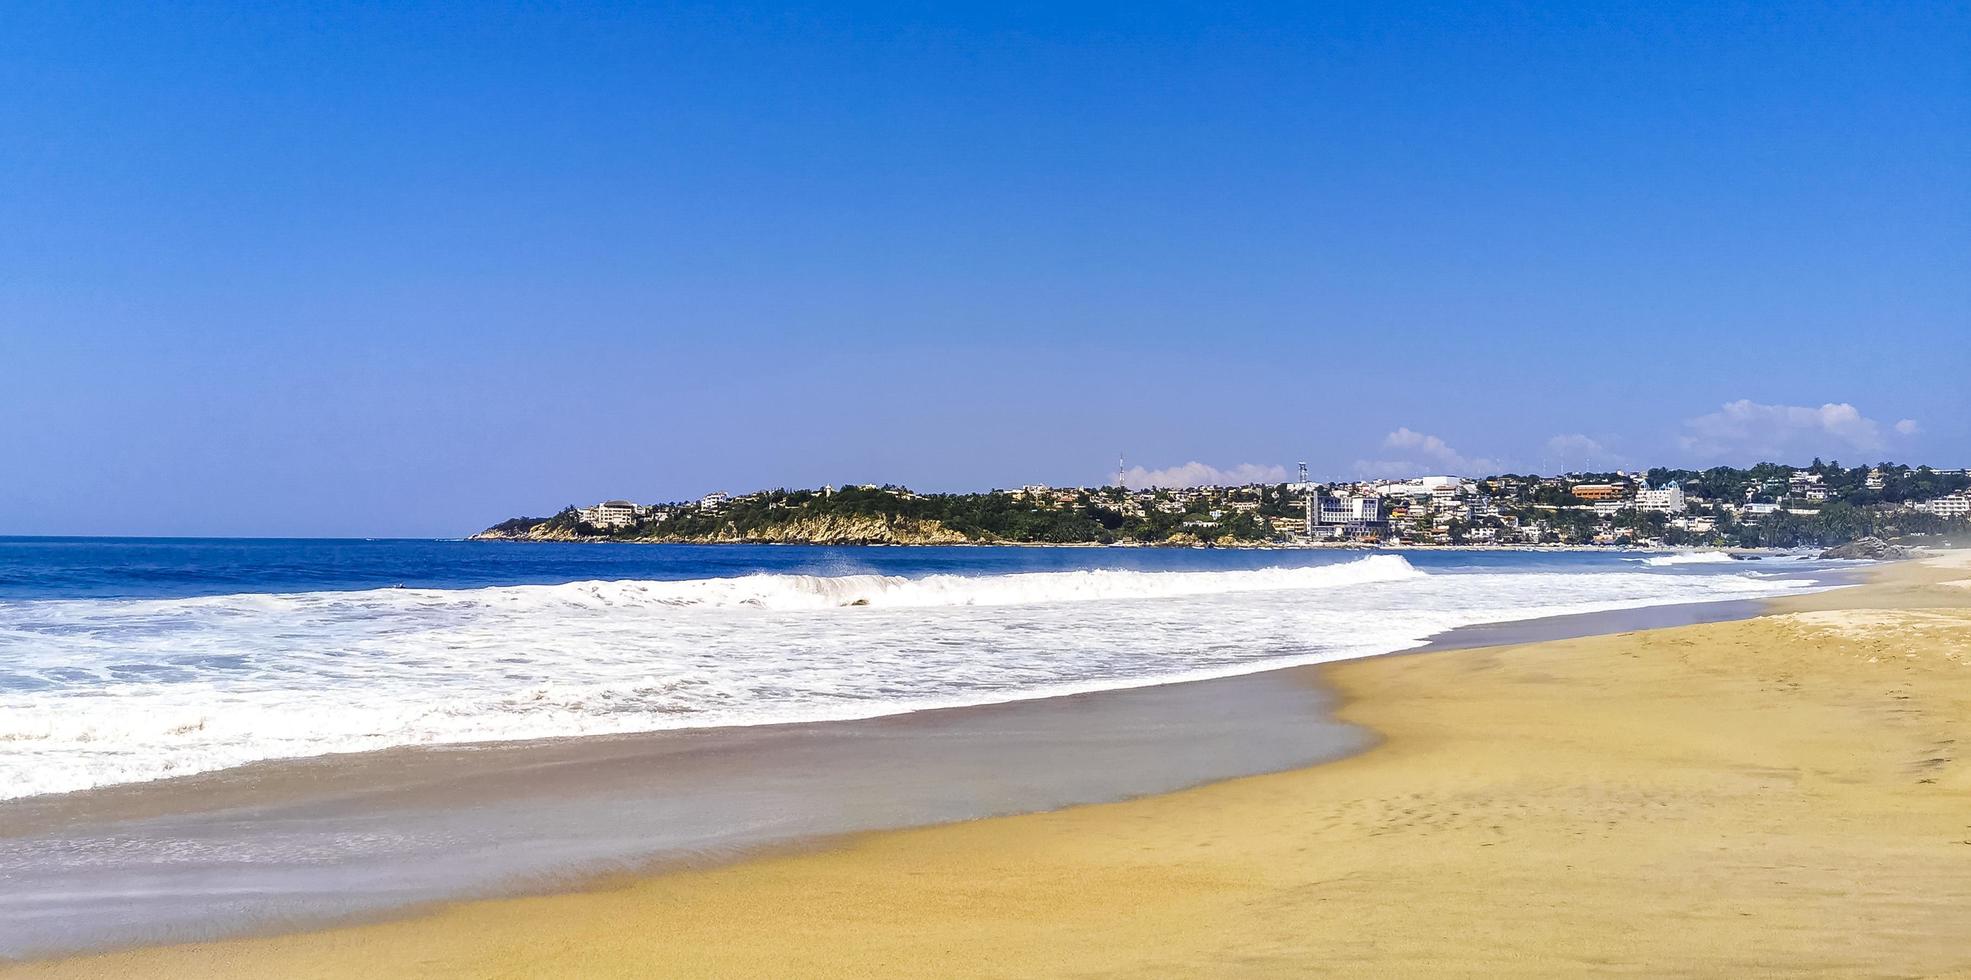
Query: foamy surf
101	691
797	592
1688	558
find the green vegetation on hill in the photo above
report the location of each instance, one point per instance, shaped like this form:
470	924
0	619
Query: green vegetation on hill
1064	517
1835	507
1767	505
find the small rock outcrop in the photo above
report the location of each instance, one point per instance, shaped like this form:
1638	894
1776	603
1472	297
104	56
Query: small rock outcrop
848	529
1869	549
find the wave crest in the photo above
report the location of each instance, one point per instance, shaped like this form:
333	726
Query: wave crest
779	591
1689	558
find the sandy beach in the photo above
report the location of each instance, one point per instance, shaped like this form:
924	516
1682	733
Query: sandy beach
1781	795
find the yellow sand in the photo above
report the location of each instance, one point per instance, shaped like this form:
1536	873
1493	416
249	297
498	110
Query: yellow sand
1779	796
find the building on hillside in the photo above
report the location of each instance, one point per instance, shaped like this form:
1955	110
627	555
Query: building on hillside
610	513
1667	500
1599	491
716	500
1875	479
1336	509
1956	505
1286	525
1337	516
1695	525
1440	487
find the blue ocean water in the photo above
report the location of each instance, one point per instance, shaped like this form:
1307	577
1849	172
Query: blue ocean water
134	659
170	568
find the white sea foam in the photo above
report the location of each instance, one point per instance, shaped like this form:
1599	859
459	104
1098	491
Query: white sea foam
94	692
767	591
1689	558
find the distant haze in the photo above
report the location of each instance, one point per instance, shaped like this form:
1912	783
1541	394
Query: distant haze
376	270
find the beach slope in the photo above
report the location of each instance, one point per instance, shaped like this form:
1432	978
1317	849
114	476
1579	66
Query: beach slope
1782	795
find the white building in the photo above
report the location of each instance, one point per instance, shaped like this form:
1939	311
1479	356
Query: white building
1334	509
1426	487
1668	500
609	513
1954	506
715	500
1695	525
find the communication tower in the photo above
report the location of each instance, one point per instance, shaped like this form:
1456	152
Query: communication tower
1313	500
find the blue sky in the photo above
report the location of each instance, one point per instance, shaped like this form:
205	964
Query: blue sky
396	269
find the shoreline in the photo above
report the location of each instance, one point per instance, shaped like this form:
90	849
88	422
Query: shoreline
1285	723
1606	803
1534	629
1759	553
1735	797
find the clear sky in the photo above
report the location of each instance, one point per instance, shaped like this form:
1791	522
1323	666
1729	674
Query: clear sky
410	269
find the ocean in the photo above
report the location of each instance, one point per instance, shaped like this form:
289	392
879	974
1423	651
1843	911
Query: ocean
127	660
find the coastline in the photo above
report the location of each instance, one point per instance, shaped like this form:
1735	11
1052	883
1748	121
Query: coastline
550	815
1748	552
1772	794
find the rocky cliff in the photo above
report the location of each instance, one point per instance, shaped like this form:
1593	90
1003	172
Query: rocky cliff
803	530
539	532
1870	549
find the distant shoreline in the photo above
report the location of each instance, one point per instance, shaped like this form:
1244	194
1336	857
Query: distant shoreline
1161	545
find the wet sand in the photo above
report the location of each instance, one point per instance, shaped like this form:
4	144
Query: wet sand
284	845
1777	796
295	844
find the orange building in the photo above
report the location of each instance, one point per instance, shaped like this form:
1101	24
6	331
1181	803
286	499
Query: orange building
1599	491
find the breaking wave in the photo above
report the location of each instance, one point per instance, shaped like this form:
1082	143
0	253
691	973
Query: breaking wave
771	591
100	691
1689	558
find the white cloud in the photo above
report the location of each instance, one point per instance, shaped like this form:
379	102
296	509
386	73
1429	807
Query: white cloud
1196	474
1574	442
1745	429
1573	451
1423	454
1389	469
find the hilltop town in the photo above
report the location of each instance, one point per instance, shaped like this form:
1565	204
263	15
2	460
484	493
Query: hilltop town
1768	505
